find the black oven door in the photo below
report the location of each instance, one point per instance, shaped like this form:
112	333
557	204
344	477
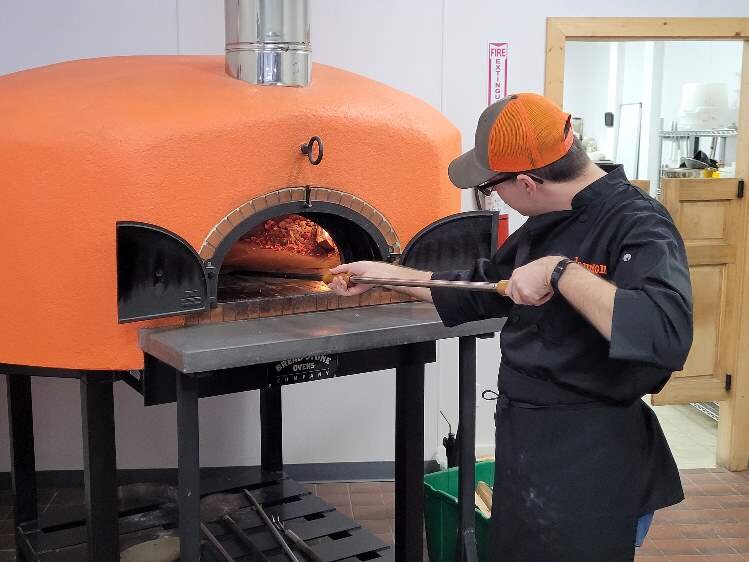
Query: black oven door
454	242
158	274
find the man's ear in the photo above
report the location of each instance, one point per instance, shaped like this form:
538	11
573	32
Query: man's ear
528	184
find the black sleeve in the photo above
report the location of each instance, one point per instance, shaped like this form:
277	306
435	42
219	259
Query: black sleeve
652	320
458	306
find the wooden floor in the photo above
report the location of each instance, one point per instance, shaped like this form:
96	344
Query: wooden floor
711	525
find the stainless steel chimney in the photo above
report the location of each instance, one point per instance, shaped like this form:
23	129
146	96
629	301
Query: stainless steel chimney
267	42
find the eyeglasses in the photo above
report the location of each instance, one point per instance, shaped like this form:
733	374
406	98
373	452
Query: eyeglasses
488	186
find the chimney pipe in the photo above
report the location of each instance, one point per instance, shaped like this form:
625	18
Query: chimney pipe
268	42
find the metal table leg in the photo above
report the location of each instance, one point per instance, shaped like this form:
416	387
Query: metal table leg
466	543
271	429
188	469
100	467
409	463
23	467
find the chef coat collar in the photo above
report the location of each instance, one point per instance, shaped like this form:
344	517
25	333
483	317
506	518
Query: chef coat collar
596	191
599	188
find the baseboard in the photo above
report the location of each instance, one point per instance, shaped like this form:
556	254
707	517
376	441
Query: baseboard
316	472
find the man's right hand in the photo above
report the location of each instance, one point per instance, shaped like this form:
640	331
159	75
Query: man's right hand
381	270
362	268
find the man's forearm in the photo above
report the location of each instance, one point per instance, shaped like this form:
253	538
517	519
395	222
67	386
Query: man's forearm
590	295
397	271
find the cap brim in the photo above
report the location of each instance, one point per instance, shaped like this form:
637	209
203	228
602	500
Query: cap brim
466	171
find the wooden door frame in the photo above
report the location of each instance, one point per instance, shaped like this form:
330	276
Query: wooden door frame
733	427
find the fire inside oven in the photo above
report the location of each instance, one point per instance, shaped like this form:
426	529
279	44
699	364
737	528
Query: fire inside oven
282	256
274	262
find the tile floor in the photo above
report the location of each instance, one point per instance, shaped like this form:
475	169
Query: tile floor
372	504
691	435
711	525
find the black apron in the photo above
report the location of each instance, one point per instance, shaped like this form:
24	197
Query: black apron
569	480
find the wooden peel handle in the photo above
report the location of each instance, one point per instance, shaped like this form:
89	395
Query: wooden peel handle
502	287
328	277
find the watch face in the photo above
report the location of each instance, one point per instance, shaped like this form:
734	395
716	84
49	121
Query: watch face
557	273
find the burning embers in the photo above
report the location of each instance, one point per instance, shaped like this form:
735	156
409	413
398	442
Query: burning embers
290	243
263	273
295	234
265	261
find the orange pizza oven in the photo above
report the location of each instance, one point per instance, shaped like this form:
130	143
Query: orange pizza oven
128	182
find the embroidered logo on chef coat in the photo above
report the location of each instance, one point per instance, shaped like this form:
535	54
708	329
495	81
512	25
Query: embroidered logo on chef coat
597	268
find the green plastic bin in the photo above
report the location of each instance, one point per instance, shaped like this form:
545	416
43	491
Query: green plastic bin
441	512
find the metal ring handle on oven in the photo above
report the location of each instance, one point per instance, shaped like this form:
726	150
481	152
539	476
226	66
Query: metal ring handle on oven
309	150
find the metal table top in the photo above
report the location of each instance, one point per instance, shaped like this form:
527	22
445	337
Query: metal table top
209	347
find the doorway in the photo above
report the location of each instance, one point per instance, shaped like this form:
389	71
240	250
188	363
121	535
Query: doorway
691	108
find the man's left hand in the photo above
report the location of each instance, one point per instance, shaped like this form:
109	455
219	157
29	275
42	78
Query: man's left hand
530	284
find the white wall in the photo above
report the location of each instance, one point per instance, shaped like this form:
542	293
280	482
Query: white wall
635	87
703	61
586	91
698	61
434	50
39	33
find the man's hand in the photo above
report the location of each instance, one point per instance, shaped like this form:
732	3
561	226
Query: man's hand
363	268
589	294
382	270
530	284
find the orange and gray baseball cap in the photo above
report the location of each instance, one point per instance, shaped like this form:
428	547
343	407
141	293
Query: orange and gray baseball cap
519	133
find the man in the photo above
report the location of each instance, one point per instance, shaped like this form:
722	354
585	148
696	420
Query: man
598	314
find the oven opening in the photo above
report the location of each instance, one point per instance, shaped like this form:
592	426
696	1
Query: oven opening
284	255
271	263
278	258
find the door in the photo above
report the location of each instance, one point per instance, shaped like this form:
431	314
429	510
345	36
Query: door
455	242
158	274
708	214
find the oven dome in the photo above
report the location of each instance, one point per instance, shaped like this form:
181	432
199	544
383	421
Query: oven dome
173	141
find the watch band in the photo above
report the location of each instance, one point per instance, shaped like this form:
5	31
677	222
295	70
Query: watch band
556	274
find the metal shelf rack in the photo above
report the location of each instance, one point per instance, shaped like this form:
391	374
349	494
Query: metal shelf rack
699	133
692	139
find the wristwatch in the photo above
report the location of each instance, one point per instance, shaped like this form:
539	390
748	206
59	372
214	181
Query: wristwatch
556	274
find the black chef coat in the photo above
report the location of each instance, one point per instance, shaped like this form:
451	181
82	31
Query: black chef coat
579	456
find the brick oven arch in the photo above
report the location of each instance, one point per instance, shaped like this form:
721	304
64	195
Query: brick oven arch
297	200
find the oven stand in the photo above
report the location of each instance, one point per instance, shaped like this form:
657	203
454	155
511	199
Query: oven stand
100	467
403	338
23	466
409	452
99	461
239	356
409	462
271	427
466	544
188	471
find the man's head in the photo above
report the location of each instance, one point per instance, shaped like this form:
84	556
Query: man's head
525	149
